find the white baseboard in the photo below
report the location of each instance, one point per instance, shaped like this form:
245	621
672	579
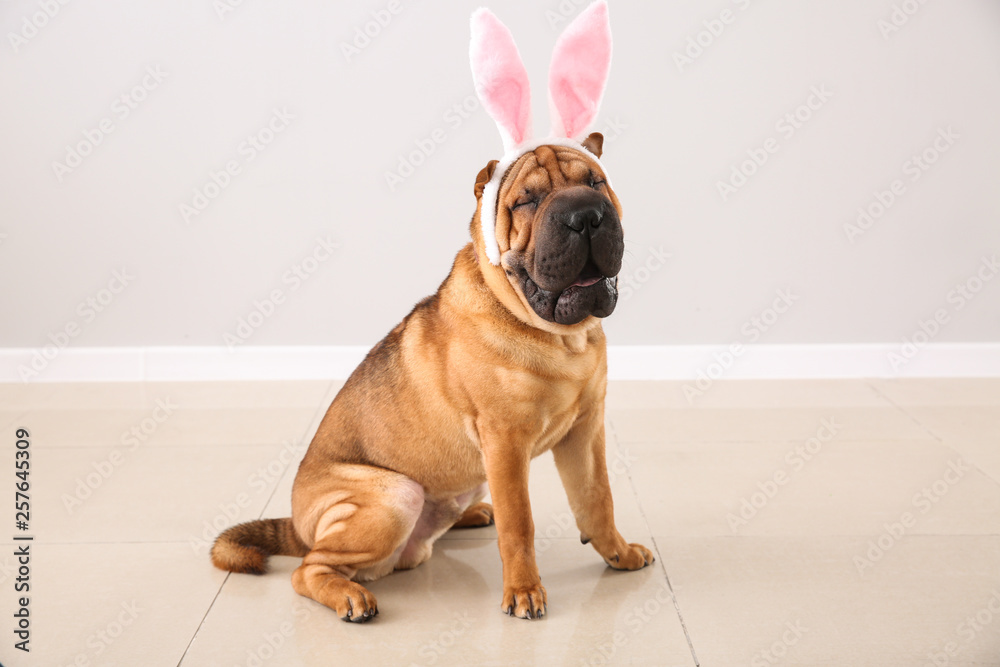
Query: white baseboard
639	362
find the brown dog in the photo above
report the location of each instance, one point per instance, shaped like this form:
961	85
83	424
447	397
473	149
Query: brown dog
504	363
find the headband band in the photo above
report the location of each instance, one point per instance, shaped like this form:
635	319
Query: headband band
491	192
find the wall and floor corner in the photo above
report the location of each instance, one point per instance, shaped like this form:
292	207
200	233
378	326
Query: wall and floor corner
625	362
252	191
241	190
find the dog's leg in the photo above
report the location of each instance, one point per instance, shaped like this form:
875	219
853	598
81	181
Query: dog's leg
583	470
477	516
360	519
507	474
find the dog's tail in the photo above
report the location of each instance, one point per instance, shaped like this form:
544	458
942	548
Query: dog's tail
247	546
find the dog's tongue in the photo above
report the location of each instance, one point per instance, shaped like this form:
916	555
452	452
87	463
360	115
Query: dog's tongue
584	282
588	276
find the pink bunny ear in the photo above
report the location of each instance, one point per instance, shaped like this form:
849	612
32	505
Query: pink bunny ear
500	78
580	63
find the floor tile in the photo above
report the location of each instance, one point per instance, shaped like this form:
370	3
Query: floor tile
842	488
753	425
270	394
143	395
97	395
676	395
25	395
110	604
447	611
972	431
808	601
10	421
167	425
849	522
183	494
957	423
983	453
941	391
79	395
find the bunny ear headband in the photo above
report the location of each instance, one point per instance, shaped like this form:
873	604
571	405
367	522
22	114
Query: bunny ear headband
577	75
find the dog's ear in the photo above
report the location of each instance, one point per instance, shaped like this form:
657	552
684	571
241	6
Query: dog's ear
484	176
594	143
579	71
500	78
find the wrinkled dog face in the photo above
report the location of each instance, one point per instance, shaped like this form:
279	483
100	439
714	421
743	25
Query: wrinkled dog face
564	229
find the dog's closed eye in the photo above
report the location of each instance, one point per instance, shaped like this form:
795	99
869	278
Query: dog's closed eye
529	198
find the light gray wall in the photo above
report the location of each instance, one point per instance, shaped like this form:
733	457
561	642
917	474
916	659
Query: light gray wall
673	134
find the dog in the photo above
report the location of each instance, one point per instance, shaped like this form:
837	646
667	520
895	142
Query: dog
505	362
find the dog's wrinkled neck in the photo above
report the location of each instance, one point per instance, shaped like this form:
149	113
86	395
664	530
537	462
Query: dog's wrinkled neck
498	294
577	342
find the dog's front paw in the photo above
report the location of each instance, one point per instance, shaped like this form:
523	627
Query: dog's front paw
630	557
524	602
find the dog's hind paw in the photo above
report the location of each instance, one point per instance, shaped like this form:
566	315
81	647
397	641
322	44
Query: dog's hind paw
477	516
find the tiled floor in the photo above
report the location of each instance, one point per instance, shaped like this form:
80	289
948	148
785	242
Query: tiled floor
794	523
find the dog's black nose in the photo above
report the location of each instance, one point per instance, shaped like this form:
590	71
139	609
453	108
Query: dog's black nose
581	218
